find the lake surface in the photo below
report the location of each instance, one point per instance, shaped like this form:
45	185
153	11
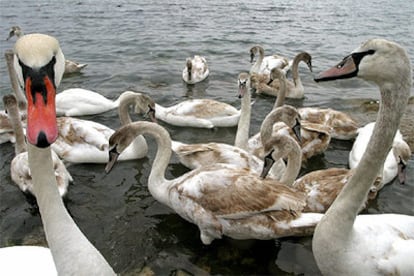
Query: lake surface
143	46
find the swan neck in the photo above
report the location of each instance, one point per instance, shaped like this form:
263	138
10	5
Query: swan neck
124	101
72	253
243	126
295	69
353	195
258	63
282	92
21	98
14	117
157	184
293	165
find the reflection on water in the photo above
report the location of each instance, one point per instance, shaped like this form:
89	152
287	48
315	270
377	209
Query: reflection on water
143	47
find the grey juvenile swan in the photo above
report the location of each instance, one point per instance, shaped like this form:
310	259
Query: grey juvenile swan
347	244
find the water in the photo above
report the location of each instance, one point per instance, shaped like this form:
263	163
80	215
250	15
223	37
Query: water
143	46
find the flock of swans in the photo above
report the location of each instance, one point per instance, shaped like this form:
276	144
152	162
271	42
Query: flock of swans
243	191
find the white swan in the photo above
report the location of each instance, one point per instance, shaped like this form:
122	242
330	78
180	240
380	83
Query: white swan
202	154
80	102
200	113
396	160
220	199
73	66
39	64
195	70
19	167
347	244
264	64
294	88
85	141
70	66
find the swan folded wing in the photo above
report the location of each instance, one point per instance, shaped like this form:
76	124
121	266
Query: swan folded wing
315	139
233	194
203	108
20	172
73	131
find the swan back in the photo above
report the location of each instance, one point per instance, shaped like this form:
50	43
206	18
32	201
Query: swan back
196	70
204	113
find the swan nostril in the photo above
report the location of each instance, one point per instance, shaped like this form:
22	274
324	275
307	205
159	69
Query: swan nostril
42	141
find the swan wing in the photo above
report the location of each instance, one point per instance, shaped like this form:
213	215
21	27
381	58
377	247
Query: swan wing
229	192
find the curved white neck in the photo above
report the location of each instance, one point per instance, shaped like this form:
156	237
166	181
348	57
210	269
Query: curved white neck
243	126
353	195
123	108
294	163
256	66
73	254
157	184
280	100
295	71
21	98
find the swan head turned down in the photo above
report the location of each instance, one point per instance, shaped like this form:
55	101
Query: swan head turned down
15	31
118	142
39	64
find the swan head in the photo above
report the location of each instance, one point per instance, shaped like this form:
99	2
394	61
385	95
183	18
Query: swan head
39	64
244	83
15	31
254	50
402	154
118	142
307	58
278	146
143	104
377	60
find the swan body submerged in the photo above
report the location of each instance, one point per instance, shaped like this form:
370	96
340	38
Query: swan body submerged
264	64
195	70
85	141
80	102
199	113
294	89
240	205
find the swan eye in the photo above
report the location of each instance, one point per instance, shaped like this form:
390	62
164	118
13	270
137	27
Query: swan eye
357	57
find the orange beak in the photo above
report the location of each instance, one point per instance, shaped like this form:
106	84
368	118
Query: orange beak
345	69
41	112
